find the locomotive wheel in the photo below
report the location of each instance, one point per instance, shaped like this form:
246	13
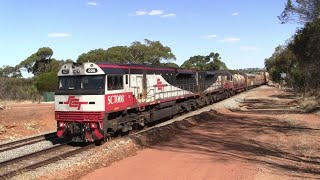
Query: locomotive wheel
99	142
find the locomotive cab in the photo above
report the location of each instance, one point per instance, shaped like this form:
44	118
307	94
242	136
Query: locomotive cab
79	101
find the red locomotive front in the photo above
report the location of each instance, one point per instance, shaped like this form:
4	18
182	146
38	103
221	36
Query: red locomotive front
84	96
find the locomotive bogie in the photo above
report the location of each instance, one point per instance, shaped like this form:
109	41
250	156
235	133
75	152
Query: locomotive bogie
80	131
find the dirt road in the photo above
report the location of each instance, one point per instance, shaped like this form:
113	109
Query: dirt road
264	137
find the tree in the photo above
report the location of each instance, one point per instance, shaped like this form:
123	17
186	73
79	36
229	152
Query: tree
281	61
9	71
171	64
306	46
96	55
44	68
37	62
196	62
300	59
301	11
216	63
149	52
46	82
209	62
55	65
69	61
118	54
15	88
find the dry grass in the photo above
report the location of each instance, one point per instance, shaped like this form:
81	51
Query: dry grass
32	126
13	102
309	102
3	129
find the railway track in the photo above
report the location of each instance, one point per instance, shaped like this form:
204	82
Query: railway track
37	159
23	142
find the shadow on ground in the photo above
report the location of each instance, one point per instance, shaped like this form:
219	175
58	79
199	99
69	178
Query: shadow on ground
279	104
265	141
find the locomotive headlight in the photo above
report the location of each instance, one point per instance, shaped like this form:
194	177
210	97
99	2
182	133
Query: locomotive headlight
62	124
93	125
76	71
65	71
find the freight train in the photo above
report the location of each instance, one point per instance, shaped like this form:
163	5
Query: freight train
95	101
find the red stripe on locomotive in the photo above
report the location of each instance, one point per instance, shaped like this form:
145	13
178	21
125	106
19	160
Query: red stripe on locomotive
119	101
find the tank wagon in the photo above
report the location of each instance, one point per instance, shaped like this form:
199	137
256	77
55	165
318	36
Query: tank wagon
95	101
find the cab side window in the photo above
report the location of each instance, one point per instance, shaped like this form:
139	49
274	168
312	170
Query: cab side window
115	82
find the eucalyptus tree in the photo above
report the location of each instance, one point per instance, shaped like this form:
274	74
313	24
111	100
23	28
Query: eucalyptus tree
301	11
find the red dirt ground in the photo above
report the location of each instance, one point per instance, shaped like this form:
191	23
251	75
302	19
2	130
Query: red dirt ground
20	120
265	138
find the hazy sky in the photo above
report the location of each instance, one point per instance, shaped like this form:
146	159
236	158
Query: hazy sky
244	32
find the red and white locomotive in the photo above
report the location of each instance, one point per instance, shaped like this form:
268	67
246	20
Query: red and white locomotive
94	101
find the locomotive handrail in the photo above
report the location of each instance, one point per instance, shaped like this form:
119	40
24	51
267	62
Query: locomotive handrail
174	90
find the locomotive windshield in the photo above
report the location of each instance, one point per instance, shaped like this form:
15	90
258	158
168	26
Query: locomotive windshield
81	82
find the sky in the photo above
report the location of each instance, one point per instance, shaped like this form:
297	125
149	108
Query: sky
244	32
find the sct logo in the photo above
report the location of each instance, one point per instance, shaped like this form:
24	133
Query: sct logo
74	102
159	85
115	99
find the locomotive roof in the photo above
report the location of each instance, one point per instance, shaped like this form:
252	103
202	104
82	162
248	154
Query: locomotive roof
157	67
139	66
115	68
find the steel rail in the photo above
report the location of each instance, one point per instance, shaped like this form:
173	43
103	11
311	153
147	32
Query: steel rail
41	163
23	142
